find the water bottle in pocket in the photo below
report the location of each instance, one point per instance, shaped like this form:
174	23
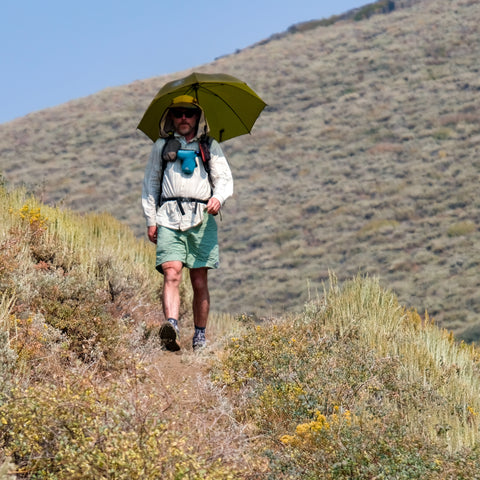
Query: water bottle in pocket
188	159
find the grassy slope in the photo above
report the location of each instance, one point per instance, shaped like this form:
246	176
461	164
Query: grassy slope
364	161
356	387
353	386
83	387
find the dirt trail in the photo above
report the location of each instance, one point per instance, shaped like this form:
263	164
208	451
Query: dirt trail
194	408
183	375
191	403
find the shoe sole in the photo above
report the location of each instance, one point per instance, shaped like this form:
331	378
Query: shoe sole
168	337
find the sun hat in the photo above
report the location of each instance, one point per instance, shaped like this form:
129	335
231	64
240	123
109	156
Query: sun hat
166	126
184	101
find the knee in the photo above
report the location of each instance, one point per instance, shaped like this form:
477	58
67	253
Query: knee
172	274
199	286
199	281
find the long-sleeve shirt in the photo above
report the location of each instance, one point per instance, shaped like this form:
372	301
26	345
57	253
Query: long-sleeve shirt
178	184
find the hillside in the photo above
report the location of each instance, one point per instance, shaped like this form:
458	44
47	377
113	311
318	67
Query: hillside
365	161
354	385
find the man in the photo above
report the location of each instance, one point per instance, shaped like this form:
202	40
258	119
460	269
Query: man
179	204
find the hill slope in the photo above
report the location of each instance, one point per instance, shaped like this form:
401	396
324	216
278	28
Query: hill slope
366	160
353	386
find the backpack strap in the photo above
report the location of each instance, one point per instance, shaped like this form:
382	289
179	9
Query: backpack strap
204	144
163	166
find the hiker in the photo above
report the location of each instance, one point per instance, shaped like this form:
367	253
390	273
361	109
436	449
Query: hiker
181	195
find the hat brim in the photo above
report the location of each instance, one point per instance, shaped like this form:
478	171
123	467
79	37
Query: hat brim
184	105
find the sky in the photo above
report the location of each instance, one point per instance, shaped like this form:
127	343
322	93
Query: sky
53	51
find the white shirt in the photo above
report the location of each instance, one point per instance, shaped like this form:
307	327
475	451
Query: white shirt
178	184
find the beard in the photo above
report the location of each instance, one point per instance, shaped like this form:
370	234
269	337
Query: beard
185	129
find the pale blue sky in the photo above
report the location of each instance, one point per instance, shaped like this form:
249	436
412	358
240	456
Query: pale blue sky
53	51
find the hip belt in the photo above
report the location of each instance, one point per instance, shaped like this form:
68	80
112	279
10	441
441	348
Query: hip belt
181	200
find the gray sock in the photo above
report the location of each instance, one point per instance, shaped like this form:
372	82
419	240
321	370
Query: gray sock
199	329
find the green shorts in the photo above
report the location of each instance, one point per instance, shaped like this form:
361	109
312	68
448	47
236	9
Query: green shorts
195	248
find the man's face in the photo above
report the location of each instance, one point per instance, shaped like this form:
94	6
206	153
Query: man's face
185	121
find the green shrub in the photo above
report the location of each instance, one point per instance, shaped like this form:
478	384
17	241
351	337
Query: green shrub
461	228
78	431
442	134
357	387
8	357
382	6
376	226
77	308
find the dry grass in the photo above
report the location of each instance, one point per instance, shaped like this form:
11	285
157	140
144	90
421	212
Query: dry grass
356	386
86	391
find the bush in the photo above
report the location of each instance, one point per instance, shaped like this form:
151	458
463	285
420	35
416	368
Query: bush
84	432
78	309
461	228
354	388
382	6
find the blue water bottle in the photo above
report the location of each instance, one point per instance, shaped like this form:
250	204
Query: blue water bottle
188	160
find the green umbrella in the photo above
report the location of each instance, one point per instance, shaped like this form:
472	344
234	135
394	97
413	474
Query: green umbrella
231	107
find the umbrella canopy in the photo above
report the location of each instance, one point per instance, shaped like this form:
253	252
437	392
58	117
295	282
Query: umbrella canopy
231	107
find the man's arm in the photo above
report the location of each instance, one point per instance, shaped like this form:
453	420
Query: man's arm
221	176
151	185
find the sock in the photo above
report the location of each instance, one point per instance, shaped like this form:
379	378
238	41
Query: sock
199	329
172	321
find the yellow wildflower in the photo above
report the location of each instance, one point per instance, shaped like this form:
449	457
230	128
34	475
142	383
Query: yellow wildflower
287	439
471	410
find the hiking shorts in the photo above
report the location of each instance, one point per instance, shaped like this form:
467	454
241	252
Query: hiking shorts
196	247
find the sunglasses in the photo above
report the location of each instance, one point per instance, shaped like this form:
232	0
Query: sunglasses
188	112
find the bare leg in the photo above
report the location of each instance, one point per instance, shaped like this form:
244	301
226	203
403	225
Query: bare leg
171	289
201	296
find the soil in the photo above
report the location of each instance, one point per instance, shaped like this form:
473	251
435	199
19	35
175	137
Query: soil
192	405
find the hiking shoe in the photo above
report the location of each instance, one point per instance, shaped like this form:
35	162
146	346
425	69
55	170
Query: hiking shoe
199	341
169	334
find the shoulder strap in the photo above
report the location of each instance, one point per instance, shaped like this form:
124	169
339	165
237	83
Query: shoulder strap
163	165
204	144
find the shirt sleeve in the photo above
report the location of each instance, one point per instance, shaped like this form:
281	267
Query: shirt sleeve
151	184
220	173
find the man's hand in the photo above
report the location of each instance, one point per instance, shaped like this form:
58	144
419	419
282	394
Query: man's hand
213	206
152	234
